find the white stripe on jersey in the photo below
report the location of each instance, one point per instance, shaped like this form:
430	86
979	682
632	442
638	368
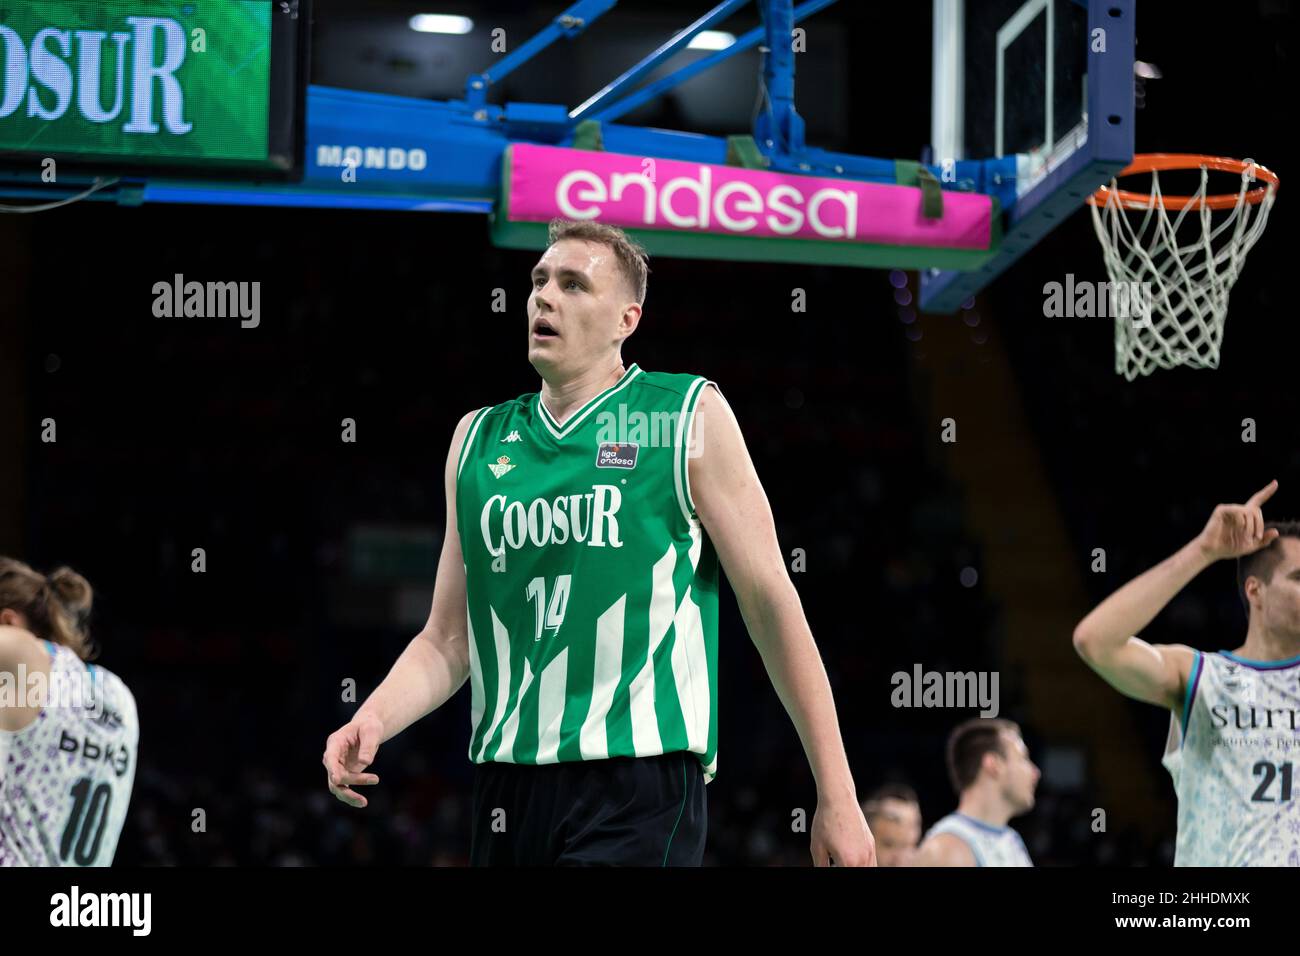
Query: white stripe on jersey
681	451
690	671
592	738
477	703
690	662
991	846
550	707
510	729
66	778
501	642
641	692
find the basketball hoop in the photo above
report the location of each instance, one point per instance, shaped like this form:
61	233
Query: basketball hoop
1173	293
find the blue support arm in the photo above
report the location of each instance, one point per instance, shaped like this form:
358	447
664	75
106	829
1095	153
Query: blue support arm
569	24
677	77
780	127
634	75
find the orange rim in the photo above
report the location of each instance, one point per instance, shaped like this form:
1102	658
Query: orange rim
1151	162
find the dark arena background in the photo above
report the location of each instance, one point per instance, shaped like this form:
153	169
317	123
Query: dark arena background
974	554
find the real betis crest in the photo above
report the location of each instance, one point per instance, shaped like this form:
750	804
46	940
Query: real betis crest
501	465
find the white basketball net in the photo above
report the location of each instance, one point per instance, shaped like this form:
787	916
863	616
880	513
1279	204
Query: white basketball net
1172	284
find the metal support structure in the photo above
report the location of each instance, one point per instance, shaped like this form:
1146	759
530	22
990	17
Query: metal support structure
378	151
614	90
779	127
568	24
660	86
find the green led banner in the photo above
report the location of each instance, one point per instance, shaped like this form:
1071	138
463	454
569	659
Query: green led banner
183	84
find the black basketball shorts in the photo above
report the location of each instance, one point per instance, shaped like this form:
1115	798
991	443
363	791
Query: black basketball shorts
624	811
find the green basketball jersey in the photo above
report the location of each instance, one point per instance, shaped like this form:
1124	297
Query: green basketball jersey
592	587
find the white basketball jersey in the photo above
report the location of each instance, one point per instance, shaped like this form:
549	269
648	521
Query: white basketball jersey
66	778
1233	758
992	846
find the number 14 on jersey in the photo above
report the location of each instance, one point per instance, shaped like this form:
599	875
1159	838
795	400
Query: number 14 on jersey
549	617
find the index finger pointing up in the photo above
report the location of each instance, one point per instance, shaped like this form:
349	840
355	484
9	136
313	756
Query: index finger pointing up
1261	496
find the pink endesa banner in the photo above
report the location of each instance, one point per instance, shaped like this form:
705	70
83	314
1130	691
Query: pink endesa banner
644	193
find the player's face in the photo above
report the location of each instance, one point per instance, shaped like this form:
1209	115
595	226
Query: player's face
576	312
1020	775
1280	597
897	829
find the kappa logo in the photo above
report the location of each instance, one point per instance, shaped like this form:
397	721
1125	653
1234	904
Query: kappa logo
1230	679
617	455
513	436
500	466
1242	684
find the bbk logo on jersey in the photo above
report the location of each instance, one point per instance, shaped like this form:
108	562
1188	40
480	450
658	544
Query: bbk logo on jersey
590	519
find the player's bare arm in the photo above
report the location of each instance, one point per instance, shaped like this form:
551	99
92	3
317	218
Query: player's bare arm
944	849
427	673
735	513
1157	673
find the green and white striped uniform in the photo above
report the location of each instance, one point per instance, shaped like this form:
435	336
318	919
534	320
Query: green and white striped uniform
592	587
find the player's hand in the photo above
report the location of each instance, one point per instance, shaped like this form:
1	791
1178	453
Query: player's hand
349	751
1235	530
840	835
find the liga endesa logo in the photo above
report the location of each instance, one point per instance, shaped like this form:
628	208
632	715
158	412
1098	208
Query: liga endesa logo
669	194
43	78
829	212
713	200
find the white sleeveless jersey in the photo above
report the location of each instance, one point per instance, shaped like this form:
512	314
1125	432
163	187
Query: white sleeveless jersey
992	846
66	778
1233	758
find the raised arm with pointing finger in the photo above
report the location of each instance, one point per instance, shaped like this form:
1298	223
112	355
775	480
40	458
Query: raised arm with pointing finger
1234	721
1157	673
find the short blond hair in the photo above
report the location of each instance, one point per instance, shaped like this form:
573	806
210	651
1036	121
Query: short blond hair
633	260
